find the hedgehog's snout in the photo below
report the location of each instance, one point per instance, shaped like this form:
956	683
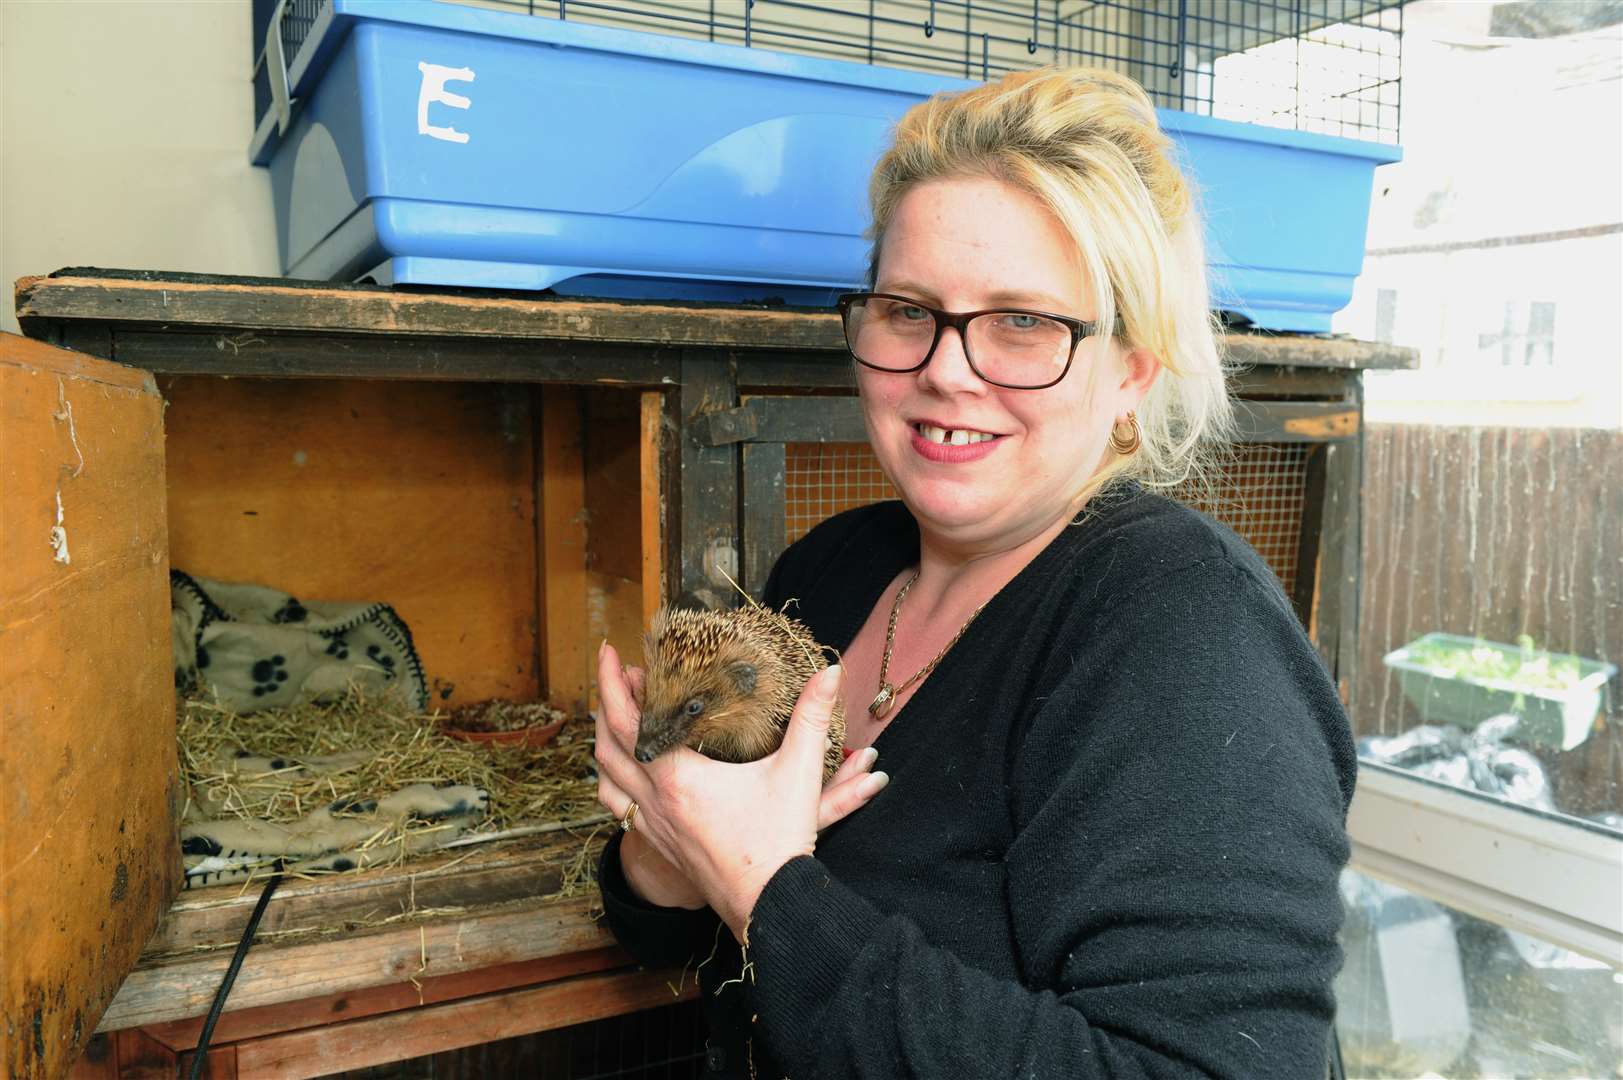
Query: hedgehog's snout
657	734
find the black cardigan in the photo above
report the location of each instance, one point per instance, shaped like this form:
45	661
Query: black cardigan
1110	843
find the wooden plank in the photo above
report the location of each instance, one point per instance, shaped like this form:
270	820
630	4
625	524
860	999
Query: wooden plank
99	1060
141	1057
183	986
1304	595
250	304
470	879
614	551
614	613
1291	383
91	338
611	436
1261	349
1352	557
770	371
764	525
339	355
565	625
1294	421
673	450
413	494
798	418
417	1032
651	490
159	1065
238	1024
538	518
88	852
288	305
708	511
1335	620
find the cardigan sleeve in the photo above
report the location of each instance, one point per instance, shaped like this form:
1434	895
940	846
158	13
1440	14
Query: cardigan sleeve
654	936
1179	827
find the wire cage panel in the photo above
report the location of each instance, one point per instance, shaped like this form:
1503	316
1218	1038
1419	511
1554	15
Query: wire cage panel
1328	66
1260	494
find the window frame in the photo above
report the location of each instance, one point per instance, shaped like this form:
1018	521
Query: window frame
1554	877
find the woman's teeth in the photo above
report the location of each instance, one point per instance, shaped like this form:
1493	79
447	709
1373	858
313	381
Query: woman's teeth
952	436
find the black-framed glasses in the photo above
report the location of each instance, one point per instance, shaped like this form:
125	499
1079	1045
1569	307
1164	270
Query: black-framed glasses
1008	347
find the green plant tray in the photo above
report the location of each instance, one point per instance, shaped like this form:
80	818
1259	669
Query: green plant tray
1549	717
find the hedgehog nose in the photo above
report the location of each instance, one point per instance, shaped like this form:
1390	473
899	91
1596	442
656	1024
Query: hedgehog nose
644	755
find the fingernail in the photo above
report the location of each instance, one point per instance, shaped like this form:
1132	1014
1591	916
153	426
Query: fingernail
877	782
601	646
828	683
869	756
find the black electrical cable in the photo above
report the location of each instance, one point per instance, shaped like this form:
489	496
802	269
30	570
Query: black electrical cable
200	1055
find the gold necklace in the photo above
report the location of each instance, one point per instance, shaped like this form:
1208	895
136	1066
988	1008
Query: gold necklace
886	698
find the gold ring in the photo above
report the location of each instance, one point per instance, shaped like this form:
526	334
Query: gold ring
628	822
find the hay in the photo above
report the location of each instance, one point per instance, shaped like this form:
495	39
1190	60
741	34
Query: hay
384	747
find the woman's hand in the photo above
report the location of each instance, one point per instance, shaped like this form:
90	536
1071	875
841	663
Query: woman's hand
722	829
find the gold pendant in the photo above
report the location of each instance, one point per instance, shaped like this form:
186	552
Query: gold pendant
882	703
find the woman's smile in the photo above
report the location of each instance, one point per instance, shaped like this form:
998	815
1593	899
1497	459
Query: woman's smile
953	445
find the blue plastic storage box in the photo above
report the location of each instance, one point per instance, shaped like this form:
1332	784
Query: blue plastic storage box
433	143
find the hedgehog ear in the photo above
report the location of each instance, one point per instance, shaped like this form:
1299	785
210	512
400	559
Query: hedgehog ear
743	676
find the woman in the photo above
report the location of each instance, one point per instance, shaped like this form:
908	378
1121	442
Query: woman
1118	773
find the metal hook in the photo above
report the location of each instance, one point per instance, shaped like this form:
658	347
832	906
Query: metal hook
1031	42
929	21
749	5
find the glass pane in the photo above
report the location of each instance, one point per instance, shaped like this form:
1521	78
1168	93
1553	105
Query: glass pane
1428	991
1490	624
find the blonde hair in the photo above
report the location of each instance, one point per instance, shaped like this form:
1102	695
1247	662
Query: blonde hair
1086	144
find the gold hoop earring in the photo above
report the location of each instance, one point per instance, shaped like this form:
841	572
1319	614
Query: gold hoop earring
1125	445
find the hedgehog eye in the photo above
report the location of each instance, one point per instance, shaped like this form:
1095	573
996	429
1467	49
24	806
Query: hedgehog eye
694	707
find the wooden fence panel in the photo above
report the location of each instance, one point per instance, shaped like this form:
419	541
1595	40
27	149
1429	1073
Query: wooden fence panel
1496	532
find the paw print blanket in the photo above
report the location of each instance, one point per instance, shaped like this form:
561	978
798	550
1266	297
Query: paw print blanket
253	647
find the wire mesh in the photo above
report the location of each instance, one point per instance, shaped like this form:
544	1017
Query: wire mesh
297	22
1330	66
1260	493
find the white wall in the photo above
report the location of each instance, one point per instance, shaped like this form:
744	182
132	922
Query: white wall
124	128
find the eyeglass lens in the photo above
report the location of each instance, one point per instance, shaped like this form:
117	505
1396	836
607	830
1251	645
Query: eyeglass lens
1009	347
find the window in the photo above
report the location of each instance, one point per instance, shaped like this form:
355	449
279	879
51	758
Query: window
1429	990
1485	898
1386	315
1525	339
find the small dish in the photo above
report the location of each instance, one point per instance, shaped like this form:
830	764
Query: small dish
504	723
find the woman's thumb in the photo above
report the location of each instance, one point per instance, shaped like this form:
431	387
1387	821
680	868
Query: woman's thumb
808	727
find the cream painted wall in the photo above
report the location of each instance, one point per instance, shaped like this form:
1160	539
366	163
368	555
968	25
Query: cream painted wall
124	129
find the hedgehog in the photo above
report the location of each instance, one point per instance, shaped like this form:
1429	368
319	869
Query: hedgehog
726	682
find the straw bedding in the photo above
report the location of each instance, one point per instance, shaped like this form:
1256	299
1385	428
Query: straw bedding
365	748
